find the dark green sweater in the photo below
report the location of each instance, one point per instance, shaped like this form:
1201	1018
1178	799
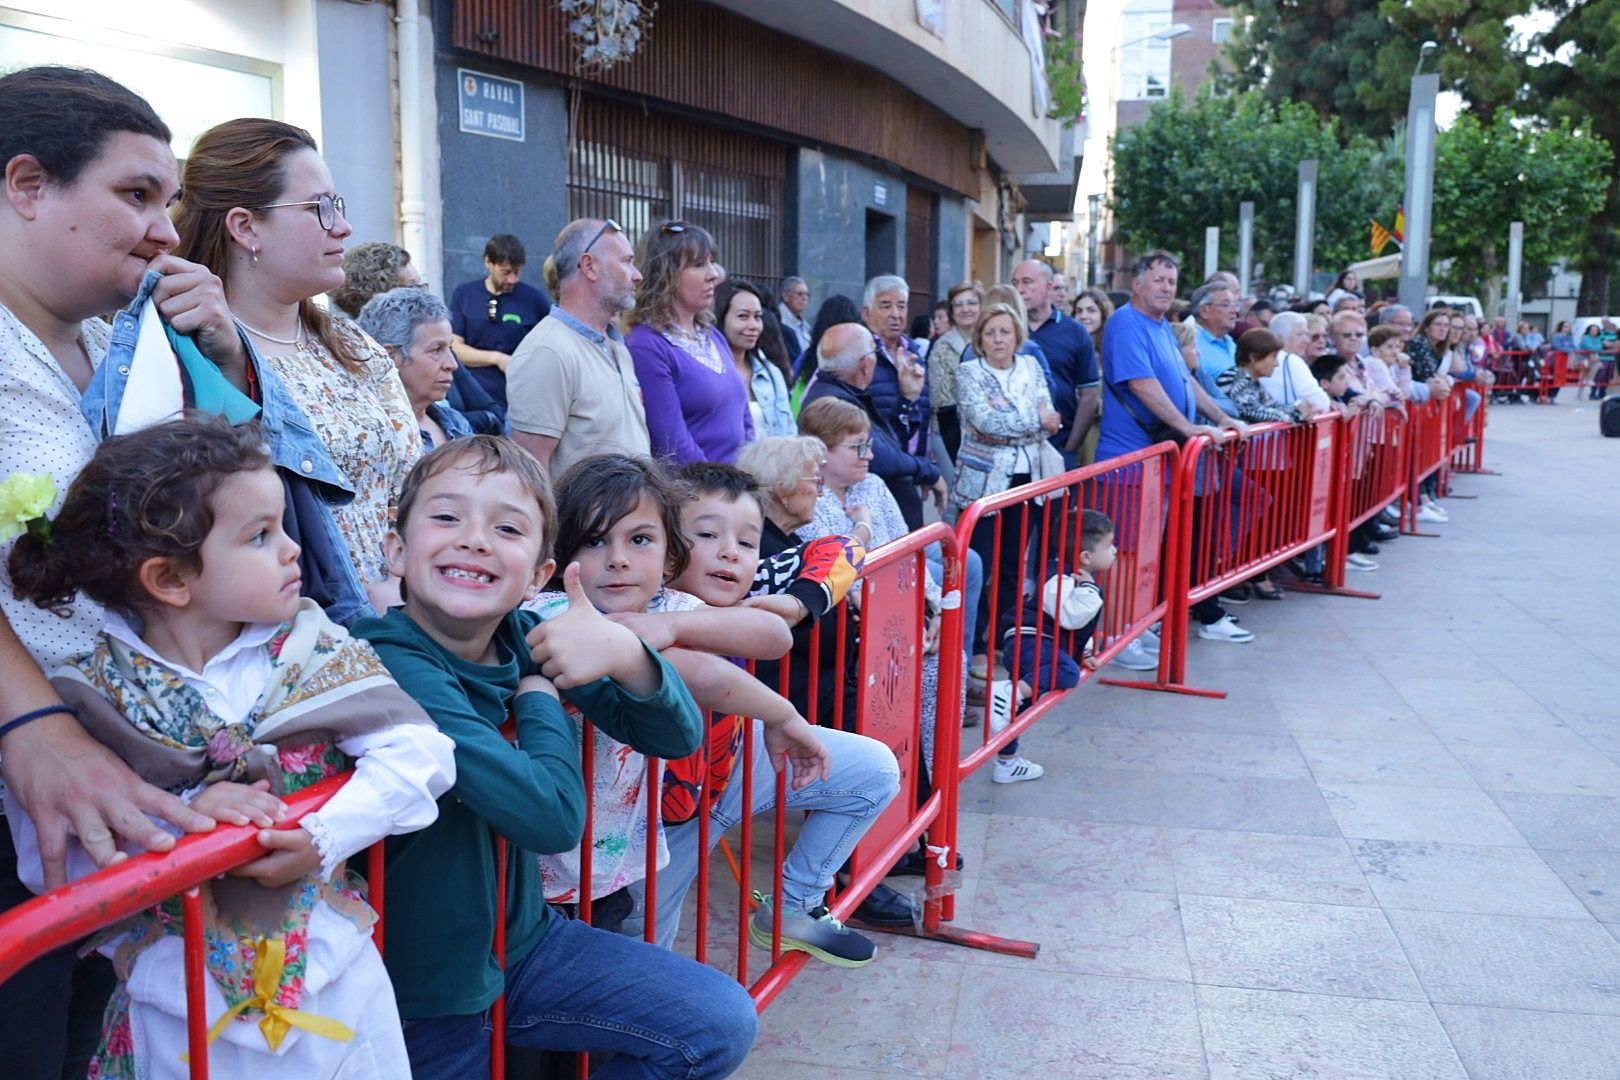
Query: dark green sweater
439	908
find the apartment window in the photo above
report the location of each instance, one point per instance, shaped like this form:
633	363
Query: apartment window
1220	31
1144	60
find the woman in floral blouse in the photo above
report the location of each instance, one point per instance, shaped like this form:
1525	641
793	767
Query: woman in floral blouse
258	209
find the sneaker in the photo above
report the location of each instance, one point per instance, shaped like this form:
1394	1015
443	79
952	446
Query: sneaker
815	932
1359	562
1435	508
1237	594
1224	629
1137	657
1389	515
1012	770
1150	639
1001	704
1430	515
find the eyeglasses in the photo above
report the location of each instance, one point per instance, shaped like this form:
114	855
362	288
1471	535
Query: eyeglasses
1318	337
821	484
607	224
327	209
965	303
862	448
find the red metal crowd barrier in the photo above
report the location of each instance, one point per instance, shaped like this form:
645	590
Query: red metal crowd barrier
888	663
1371	475
1427	453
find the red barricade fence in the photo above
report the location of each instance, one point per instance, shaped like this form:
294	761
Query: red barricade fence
1189	523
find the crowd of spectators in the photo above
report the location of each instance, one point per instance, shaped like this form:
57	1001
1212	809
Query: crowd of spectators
593	501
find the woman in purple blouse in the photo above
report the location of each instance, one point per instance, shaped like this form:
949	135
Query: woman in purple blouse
697	406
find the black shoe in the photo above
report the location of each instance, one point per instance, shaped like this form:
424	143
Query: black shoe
1237	594
1368	548
912	864
1383	533
887	907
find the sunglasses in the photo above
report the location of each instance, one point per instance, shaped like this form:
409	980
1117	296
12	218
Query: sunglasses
671	228
607	224
327	209
494	308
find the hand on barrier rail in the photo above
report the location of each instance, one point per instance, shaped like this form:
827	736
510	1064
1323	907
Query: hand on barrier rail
795	742
581	645
72	785
293	855
790	609
240	804
1234	425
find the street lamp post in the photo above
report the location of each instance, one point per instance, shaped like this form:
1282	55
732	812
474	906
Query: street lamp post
1420	137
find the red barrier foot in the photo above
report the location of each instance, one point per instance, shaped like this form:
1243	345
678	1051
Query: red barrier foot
1329	590
954	935
1165	687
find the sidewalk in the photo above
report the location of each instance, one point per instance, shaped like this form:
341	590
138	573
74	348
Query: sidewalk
1392	851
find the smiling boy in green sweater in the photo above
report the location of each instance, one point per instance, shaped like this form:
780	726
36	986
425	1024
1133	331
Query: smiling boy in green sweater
471	542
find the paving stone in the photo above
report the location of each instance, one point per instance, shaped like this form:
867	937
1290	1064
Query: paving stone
1453	877
1514	1044
1115	932
1411	764
1079	854
1081	794
1392	812
1310	948
1552	772
1245	804
1273	1035
1594	878
1015	1023
1564	822
1265	757
1559	965
1267	866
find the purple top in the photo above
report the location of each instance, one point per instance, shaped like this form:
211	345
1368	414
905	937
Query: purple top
694	413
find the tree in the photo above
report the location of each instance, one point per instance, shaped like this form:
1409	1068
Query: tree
1487	176
1189	164
1577	78
1353	59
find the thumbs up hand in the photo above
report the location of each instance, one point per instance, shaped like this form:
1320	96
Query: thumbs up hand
582	645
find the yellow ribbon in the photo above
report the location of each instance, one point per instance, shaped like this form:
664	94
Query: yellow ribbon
278	1019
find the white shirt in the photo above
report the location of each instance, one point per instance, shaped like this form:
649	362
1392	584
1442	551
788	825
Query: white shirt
1293	381
399	771
42	431
795	323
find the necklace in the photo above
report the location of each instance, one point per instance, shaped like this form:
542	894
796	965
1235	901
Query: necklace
297	339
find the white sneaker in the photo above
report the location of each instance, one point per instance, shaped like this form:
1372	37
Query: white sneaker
1012	770
1000	708
1150	640
1224	629
1435	508
1356	561
1137	657
1431	515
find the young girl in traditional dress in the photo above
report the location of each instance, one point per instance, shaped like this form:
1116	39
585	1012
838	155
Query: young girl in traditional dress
214	679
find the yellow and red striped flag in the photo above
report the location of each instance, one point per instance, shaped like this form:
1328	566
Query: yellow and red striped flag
1399	231
1380	238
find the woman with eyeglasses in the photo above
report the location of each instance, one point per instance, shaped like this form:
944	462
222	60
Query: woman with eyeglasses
258	209
945	356
697	407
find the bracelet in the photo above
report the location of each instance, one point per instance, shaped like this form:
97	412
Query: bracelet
29	717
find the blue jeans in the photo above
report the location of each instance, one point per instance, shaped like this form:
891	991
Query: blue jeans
658	1014
864	779
972	586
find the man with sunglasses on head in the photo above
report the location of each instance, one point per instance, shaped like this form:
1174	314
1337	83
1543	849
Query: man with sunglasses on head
490	317
572	383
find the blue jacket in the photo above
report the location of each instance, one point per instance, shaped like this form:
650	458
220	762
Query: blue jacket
469	398
909	419
312	481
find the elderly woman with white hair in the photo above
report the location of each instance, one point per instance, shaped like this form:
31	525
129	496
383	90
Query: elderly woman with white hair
1292	381
413	325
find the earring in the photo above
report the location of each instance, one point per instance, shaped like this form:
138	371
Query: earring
253	257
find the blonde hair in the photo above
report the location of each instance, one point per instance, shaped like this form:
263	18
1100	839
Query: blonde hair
779	462
1020	330
830	419
1185	335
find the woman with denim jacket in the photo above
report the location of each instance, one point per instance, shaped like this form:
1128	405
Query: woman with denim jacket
258	208
88	175
744	319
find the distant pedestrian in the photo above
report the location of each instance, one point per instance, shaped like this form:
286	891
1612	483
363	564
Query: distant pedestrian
491	315
791	311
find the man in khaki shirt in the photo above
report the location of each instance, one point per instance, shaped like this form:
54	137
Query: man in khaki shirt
571	386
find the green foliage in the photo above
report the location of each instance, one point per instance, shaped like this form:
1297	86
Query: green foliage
1190	163
1487	176
1584	88
1064	76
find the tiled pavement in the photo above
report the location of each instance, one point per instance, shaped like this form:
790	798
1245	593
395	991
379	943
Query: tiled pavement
1393	851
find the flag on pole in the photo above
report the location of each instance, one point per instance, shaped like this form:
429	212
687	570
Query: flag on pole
1399	231
1380	238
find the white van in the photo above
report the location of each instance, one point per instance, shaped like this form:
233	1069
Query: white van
1468	305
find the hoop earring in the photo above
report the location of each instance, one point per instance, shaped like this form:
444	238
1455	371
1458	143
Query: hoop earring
253	257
